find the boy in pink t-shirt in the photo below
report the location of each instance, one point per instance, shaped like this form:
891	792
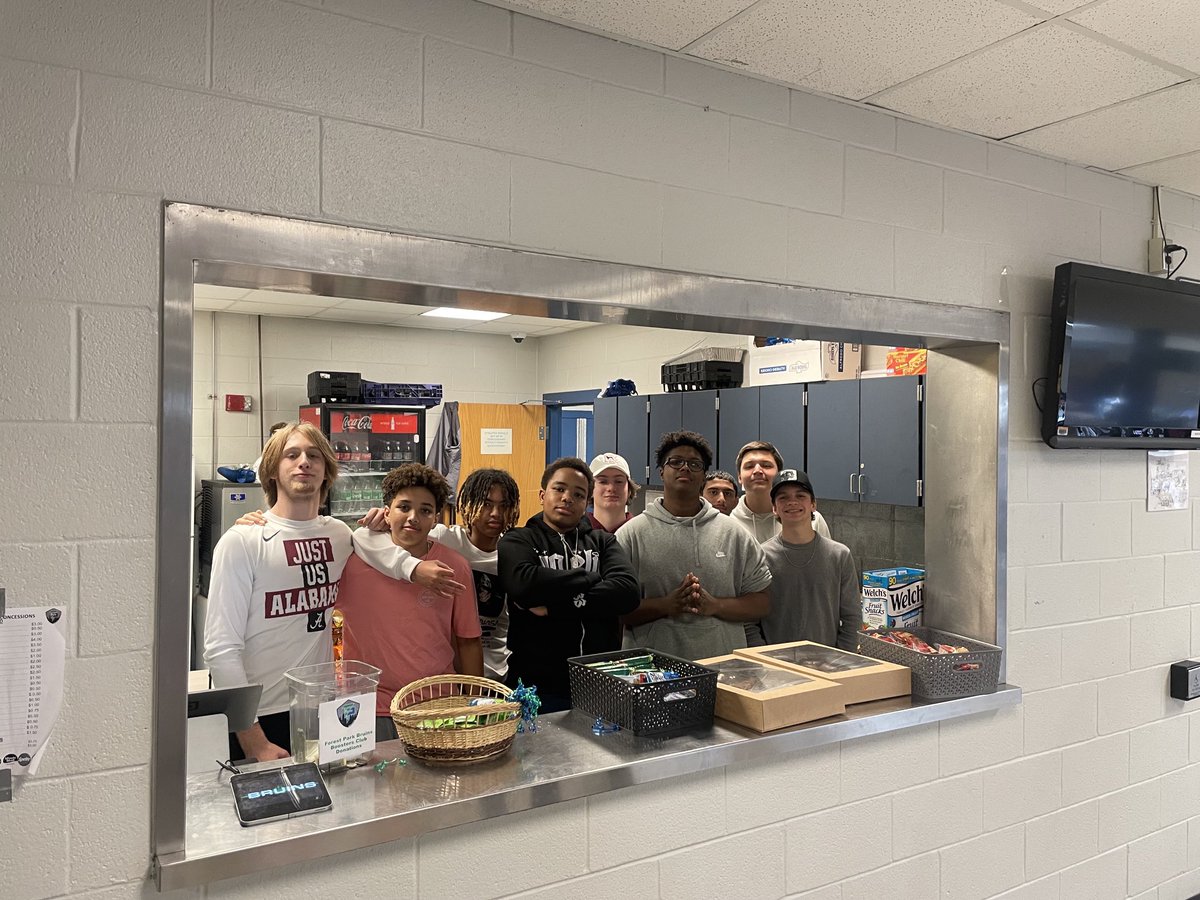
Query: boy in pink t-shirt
406	630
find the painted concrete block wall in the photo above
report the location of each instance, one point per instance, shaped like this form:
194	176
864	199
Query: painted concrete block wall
1087	790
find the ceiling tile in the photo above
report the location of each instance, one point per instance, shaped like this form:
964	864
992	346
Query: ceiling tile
855	48
211	305
1142	130
1181	173
665	23
218	292
1041	76
305	302
1165	29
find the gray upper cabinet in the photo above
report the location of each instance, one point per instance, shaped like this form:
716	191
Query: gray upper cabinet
691	410
737	424
833	463
604	425
781	414
864	439
632	434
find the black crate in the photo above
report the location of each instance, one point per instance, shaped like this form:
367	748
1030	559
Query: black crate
334	387
401	394
644	709
701	376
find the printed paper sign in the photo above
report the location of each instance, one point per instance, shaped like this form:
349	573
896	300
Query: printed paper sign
346	727
496	440
33	647
1166	480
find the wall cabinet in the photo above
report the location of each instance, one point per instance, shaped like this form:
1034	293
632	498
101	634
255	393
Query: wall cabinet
860	439
864	439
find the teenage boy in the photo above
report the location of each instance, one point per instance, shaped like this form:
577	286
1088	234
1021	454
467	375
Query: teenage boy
614	489
563	577
273	586
409	632
720	490
488	501
702	575
815	594
758	462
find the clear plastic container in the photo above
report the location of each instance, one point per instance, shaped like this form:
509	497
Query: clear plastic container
310	686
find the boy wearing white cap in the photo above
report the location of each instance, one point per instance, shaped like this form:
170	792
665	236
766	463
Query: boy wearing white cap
612	493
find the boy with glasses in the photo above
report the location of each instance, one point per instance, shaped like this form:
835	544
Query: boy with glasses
702	575
563	577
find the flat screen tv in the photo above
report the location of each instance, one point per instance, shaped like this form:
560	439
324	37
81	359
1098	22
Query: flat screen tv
1124	361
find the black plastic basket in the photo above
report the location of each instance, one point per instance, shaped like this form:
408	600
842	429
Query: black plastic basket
939	676
706	375
658	708
402	394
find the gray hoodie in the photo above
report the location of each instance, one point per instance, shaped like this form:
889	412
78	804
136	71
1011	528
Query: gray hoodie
723	555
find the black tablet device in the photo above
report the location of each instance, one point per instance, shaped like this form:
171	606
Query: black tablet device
279	793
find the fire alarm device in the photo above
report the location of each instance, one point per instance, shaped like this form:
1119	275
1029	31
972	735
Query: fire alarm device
1185	680
238	403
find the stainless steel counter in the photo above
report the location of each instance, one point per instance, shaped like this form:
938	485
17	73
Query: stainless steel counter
563	760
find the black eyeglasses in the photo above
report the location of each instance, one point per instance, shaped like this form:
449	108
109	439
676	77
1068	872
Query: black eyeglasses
678	462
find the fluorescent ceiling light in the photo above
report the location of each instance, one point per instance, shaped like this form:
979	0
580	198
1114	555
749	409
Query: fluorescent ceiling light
451	312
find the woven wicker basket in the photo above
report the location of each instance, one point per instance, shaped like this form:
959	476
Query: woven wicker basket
446	697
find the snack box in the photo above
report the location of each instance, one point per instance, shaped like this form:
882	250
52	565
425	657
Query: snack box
865	679
893	598
763	696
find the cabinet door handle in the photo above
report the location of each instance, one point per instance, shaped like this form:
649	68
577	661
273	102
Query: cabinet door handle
861	491
852	483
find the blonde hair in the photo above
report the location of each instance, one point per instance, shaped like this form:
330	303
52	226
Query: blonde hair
268	469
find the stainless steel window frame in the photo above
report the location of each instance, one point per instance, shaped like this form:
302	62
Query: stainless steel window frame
969	355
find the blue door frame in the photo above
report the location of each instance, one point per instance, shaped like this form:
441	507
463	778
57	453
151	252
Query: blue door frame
560	422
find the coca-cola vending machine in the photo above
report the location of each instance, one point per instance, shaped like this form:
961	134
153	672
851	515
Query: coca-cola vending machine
369	441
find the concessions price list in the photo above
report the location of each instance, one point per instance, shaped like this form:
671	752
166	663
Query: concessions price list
33	645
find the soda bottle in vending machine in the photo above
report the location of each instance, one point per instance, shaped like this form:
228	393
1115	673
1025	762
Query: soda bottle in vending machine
341	451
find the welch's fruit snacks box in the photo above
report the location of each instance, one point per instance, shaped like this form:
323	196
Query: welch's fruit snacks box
893	598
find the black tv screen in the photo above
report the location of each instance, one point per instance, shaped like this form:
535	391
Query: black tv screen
1124	361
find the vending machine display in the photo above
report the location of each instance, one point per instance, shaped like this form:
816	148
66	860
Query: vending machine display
368	441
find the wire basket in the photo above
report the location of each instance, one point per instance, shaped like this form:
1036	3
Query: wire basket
939	676
709	354
658	708
448	697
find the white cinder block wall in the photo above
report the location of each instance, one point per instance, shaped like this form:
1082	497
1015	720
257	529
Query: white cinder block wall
452	118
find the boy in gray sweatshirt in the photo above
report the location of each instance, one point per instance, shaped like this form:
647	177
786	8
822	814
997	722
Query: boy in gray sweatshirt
702	574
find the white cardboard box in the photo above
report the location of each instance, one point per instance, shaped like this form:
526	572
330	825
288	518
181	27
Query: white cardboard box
802	361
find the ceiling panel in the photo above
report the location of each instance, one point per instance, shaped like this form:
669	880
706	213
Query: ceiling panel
308	304
1166	123
217	292
664	23
1058	7
855	48
210	305
1181	173
1166	29
1038	77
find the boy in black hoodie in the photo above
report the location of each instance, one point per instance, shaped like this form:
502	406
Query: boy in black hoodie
561	575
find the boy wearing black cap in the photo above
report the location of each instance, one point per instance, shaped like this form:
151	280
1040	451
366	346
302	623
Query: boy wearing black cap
815	594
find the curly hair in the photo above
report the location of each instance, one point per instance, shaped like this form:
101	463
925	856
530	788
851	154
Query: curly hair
416	475
473	495
673	439
272	456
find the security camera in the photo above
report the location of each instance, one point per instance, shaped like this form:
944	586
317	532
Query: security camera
518	336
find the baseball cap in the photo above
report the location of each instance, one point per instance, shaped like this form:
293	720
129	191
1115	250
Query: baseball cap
792	476
609	461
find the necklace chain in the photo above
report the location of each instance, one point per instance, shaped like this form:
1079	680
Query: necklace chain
787	556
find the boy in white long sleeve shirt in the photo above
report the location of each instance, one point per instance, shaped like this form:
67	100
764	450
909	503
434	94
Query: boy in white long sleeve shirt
272	586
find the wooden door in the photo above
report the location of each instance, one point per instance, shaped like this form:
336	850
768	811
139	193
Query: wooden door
506	436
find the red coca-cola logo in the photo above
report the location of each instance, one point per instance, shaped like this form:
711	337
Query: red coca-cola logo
356	423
